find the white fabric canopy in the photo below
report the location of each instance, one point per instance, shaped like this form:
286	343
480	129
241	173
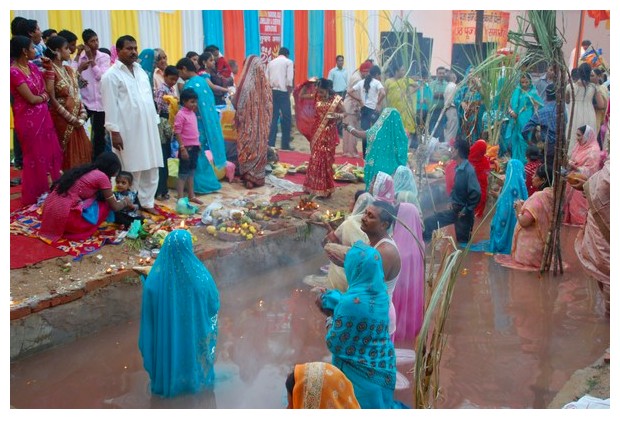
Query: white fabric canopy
193	37
148	21
39	15
373	34
348	23
99	22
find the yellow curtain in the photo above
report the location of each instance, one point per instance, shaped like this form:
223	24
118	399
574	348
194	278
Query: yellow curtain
66	20
361	35
124	22
171	35
385	21
339	33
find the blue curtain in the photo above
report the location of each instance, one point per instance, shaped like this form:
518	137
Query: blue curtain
316	39
212	28
288	32
252	43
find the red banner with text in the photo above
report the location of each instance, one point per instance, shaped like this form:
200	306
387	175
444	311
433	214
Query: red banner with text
495	27
270	33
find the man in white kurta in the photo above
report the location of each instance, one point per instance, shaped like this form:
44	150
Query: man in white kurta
132	120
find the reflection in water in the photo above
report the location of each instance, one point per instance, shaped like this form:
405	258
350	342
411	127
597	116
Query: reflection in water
513	339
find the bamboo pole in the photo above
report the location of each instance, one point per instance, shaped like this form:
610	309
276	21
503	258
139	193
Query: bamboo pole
579	38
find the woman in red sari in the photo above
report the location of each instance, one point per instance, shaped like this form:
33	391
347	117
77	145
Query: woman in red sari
33	124
253	103
317	104
482	166
67	110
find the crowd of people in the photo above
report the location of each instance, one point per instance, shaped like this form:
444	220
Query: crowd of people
138	105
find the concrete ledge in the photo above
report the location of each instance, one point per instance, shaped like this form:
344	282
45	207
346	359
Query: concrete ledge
48	320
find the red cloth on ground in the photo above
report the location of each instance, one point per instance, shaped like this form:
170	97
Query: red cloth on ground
477	158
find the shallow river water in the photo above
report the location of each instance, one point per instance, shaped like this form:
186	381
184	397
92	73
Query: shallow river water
513	340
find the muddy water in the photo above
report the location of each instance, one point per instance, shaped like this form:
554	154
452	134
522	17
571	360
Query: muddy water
513	340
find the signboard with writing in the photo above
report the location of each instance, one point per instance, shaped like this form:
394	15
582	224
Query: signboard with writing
495	28
270	33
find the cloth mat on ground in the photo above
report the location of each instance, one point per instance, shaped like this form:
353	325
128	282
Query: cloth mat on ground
298	158
26	222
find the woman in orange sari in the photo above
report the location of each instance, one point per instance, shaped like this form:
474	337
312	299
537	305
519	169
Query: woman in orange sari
253	103
318	105
68	112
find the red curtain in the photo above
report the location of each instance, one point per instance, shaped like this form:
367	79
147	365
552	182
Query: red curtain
234	36
329	58
301	46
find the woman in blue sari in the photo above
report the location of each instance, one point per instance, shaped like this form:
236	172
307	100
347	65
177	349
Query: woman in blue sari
147	62
178	327
358	336
524	102
211	136
388	145
505	219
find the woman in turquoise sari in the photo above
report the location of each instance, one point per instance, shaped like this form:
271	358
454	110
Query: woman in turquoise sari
209	127
358	336
505	219
178	326
388	145
405	187
147	62
524	102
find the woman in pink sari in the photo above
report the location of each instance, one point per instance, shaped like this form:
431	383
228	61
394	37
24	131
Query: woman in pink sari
81	200
592	242
533	223
33	123
253	104
319	104
586	160
408	295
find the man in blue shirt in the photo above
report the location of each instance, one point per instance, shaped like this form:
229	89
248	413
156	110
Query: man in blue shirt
546	120
464	198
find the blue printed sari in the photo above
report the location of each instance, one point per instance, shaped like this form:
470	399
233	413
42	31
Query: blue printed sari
388	145
358	337
505	218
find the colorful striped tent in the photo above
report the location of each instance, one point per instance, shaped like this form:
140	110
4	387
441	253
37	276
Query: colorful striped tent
314	37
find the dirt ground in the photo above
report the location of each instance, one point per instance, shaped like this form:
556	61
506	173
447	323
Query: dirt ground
53	274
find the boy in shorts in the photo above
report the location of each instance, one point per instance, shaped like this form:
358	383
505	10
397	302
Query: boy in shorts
188	136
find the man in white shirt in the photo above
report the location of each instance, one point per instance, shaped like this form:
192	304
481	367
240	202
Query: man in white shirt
452	120
132	120
280	75
339	76
91	65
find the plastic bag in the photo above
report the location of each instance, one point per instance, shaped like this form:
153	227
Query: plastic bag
206	218
184	207
134	229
